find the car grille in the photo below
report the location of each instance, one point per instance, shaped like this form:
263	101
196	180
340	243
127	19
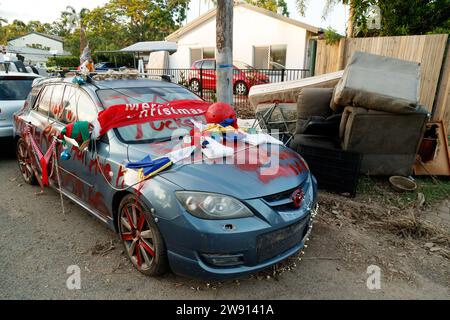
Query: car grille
280	196
282	201
274	243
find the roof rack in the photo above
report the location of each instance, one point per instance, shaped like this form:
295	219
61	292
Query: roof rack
110	75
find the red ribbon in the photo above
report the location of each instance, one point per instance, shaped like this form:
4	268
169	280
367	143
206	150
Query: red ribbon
43	159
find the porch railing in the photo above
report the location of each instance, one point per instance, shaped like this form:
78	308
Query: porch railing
203	82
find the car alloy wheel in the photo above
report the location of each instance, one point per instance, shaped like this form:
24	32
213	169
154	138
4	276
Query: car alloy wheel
195	85
24	159
241	88
141	238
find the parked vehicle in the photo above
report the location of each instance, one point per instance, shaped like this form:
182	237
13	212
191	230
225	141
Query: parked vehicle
14	89
105	66
245	76
13	66
209	221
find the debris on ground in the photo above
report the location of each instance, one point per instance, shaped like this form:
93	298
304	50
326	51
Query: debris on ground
102	248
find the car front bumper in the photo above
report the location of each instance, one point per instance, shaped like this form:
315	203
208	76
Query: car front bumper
258	248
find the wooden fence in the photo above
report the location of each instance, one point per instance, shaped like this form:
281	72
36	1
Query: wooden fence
429	50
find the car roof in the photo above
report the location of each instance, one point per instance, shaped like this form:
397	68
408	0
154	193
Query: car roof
14	74
116	83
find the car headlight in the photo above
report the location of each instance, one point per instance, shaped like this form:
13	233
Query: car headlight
212	206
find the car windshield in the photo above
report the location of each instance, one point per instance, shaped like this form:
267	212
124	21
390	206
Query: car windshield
15	88
159	130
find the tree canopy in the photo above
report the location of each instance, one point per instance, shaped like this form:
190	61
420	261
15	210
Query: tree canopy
398	17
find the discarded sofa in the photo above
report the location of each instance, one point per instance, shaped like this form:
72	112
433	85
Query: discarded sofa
373	111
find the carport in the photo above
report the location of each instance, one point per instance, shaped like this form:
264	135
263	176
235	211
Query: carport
142	49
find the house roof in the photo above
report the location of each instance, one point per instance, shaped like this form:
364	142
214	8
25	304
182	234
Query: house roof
150	46
212	13
50	36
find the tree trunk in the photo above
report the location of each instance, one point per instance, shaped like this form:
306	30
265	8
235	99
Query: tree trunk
350	20
83	42
224	51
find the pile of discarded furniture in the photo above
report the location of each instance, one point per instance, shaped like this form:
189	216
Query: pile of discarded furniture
365	119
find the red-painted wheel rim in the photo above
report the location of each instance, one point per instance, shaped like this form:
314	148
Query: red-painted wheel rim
24	161
137	236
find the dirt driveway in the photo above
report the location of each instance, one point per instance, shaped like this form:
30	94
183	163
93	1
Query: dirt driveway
38	243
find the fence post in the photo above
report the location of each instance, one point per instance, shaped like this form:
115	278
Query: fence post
201	82
282	74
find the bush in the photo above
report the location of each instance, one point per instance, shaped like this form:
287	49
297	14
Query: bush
63	62
331	36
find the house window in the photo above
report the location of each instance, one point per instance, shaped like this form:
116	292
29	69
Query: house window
269	57
209	53
202	53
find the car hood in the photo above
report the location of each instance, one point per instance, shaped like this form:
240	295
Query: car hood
275	170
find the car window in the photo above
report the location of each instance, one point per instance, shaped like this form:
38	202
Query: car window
43	105
11	67
209	64
56	106
15	89
155	130
78	106
34	95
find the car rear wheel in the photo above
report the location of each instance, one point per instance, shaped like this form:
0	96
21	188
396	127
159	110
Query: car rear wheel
195	85
24	160
141	238
240	88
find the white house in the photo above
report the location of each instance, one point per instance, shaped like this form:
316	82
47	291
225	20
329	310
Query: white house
260	37
36	48
38	40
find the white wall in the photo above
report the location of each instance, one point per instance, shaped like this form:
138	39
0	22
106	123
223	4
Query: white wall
200	37
250	29
37	39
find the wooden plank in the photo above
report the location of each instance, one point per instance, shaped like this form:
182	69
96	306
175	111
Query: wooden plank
428	50
442	103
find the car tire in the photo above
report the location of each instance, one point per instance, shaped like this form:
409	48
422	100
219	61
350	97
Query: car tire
25	162
240	88
195	86
141	238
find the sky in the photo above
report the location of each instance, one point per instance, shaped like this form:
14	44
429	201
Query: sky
49	10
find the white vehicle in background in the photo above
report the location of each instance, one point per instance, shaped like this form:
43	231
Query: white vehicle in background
14	89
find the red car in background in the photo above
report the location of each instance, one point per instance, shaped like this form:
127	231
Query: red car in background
203	76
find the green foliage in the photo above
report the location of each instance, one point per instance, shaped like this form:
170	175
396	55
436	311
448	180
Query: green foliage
398	17
64	61
284	9
331	36
401	17
114	25
271	5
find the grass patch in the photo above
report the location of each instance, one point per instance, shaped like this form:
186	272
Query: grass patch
434	190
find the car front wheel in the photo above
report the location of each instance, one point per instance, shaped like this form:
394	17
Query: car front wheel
141	238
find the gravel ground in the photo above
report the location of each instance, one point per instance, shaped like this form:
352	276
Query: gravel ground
38	243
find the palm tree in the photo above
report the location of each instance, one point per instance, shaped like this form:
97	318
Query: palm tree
329	4
76	20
